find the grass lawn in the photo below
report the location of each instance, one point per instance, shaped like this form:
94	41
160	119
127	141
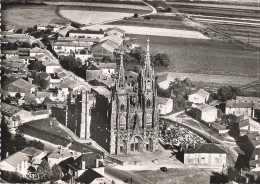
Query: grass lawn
172	176
27	16
203	56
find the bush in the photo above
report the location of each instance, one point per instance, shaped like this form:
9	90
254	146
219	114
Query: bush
147	17
135	15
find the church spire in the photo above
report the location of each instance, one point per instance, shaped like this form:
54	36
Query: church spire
148	59
121	75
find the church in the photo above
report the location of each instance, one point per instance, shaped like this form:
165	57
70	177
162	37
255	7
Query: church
134	118
122	121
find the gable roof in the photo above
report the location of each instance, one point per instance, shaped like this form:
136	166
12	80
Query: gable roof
16	158
237	104
60	154
87	31
163	77
89	176
117	29
113	38
31	151
107	65
40	112
206	107
206	148
92	66
36	50
248	99
9	110
22	85
201	92
108	45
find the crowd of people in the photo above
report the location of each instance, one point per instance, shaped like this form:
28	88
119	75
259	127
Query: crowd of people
177	135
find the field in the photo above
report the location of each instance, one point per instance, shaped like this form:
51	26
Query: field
92	17
27	16
234	20
203	56
106	5
169	21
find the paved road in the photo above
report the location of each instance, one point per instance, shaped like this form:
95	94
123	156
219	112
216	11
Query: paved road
230	150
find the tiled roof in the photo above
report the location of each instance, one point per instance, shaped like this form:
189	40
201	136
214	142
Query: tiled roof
9	110
163	100
235	104
201	92
43	94
113	38
60	154
77	39
101	90
61	74
9	51
206	148
36	50
92	67
109	45
115	28
16	158
40	112
72	44
31	151
89	176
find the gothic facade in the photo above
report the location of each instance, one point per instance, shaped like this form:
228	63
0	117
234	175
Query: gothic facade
134	114
122	121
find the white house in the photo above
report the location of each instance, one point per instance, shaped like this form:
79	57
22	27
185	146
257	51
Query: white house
205	112
18	162
51	67
10	53
34	154
69	47
36	51
199	97
107	68
163	81
116	31
165	105
14	115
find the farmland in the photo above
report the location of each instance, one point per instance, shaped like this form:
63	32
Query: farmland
20	16
235	20
203	56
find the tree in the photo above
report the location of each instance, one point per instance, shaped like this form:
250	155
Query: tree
55	172
147	17
19	141
135	15
19	31
35	45
36	144
138	55
40	80
161	59
6	139
44	171
226	93
18	96
37	66
107	59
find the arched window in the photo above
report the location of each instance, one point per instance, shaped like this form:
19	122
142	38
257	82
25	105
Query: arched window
148	103
122	122
122	107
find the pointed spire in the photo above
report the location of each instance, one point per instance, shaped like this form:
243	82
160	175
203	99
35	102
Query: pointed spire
121	76
147	59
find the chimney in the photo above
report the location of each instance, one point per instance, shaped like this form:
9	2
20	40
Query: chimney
194	145
187	145
256	157
83	164
247	179
7	154
97	163
257	165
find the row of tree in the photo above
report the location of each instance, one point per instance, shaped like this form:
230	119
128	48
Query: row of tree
18	44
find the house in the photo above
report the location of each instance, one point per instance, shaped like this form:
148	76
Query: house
107	68
104	48
113	38
57	156
92	72
103	80
19	86
163	81
116	31
17	162
23	51
165	105
199	97
207	155
51	67
66	48
10	53
36	51
91	176
34	154
14	115
42	27
205	113
14	65
86	33
85	162
65	31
